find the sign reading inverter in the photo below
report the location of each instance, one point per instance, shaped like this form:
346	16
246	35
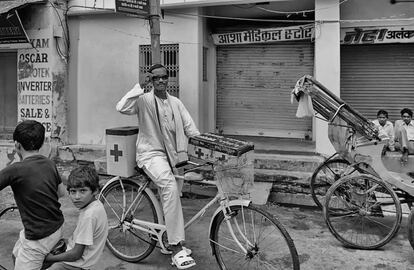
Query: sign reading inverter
133	7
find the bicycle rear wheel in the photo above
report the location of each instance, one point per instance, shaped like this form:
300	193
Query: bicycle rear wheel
267	242
362	211
126	242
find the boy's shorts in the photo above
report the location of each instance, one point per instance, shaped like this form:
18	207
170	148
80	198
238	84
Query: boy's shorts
30	254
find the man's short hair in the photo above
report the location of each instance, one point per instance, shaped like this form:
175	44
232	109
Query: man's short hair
30	134
83	176
156	66
384	112
406	110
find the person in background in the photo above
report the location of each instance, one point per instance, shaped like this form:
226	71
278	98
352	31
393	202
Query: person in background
385	130
87	242
36	186
164	128
404	134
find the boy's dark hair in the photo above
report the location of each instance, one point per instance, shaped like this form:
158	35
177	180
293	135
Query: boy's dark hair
384	112
155	66
30	134
406	110
83	176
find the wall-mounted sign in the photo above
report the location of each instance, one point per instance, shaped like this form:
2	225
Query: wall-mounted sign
291	33
35	80
133	7
11	29
370	35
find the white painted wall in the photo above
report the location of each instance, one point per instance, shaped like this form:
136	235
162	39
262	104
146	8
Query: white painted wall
376	12
105	65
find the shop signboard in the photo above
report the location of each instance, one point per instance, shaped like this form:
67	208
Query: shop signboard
377	35
11	29
35	80
266	35
133	7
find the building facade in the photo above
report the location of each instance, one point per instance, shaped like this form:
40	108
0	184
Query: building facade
232	63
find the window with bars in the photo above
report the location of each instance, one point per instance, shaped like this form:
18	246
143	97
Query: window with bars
169	58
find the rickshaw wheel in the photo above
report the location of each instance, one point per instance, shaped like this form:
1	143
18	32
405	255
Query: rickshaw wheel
410	225
362	211
324	176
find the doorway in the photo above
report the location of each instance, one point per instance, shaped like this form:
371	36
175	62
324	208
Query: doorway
8	94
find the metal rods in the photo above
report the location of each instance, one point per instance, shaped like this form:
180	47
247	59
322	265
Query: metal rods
330	106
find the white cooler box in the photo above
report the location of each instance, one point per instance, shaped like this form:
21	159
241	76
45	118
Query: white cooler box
121	150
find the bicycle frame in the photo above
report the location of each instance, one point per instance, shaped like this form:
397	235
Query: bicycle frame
158	229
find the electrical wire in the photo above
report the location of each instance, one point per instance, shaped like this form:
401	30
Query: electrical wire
299	11
65	31
266	20
295	21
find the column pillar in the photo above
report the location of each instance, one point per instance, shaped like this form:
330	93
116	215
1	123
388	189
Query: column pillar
327	62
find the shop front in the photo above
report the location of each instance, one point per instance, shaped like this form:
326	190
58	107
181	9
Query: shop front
377	69
256	72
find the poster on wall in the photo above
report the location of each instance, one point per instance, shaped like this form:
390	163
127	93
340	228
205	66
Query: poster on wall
377	35
34	81
266	35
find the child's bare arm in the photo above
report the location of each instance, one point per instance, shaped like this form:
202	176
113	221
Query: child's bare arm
71	255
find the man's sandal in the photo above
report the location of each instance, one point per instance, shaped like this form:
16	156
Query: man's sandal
182	260
169	251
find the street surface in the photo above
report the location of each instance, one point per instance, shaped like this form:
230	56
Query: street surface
317	247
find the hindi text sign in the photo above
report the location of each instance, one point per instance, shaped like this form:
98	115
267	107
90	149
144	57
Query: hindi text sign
377	35
291	33
133	7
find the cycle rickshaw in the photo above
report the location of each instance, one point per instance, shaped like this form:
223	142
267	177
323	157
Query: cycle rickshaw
362	191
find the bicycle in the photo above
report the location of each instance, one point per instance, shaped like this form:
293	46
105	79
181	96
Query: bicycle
241	235
10	216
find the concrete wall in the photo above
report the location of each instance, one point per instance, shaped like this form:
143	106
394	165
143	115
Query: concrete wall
104	65
44	29
376	12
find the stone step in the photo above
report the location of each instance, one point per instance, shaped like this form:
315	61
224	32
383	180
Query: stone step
288	162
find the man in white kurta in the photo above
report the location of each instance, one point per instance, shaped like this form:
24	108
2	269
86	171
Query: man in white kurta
162	143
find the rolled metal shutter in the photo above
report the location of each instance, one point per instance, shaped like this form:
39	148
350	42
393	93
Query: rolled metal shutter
377	77
254	83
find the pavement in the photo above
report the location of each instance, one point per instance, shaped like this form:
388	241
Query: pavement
316	246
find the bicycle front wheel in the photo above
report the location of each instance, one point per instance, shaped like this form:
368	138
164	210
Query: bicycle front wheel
362	211
266	241
122	206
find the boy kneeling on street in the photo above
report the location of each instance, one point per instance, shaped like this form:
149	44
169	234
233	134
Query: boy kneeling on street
87	242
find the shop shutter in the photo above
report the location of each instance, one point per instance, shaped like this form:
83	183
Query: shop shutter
254	83
377	77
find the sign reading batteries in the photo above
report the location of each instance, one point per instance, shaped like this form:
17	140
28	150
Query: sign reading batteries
133	7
